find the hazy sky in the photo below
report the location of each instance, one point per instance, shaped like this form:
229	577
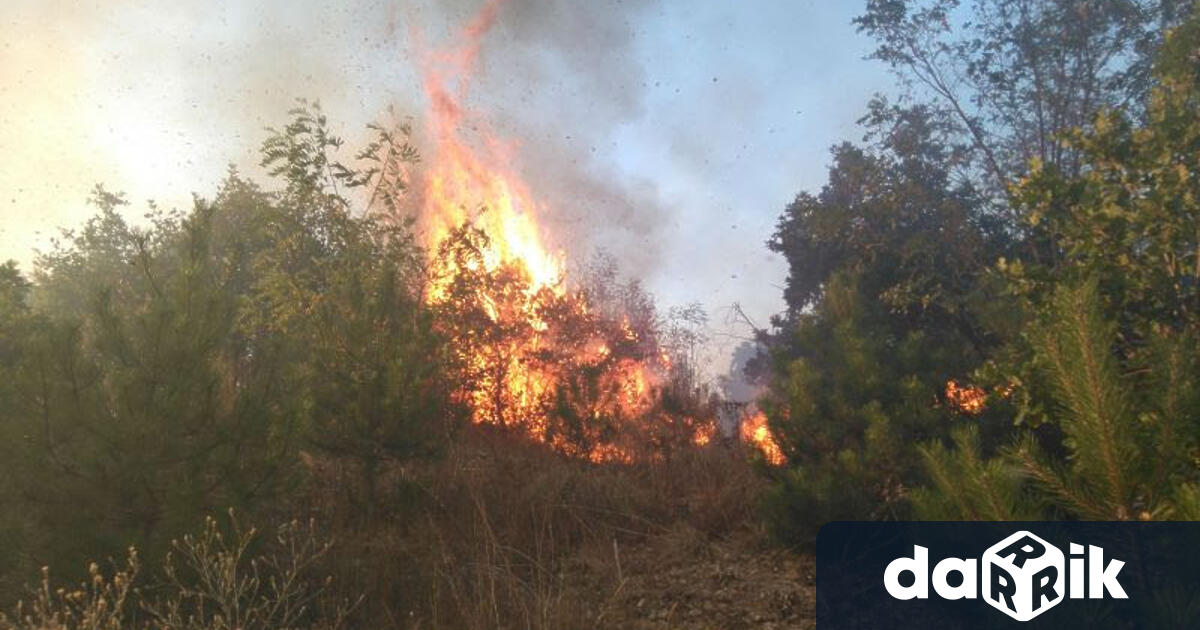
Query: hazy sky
670	133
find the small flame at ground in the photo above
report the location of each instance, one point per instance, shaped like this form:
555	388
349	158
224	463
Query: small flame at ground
754	431
966	398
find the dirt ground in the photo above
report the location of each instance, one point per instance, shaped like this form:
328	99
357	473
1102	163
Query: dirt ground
681	581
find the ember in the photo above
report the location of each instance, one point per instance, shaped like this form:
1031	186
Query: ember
965	398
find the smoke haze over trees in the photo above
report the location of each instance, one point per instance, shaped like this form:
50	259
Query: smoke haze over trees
401	356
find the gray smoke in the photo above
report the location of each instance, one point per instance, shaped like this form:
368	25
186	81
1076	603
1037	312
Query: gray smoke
560	78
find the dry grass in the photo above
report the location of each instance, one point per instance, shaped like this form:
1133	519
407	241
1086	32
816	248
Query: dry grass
505	534
499	533
223	578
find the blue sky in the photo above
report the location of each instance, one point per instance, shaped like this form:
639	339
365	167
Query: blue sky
671	134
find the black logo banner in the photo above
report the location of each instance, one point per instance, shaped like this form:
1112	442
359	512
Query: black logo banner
934	575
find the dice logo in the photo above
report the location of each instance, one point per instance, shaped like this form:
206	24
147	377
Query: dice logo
1023	576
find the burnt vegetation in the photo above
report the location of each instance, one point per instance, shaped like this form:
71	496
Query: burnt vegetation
992	313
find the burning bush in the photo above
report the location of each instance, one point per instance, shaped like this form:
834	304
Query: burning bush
587	376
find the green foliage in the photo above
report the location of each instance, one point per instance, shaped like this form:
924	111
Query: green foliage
1004	78
1097	418
1129	426
343	296
886	268
895	219
1110	365
798	503
152	373
1027	227
136	411
1125	439
965	485
1131	218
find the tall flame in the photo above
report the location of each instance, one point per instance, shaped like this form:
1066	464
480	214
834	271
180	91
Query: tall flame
470	185
516	360
536	355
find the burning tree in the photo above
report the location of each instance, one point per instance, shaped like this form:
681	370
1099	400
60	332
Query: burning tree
582	368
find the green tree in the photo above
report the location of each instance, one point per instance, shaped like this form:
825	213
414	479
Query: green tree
886	278
930	256
1132	218
1005	77
1108	365
341	292
18	324
133	411
156	373
1124	436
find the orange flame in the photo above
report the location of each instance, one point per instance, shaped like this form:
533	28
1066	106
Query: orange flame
704	434
465	185
754	430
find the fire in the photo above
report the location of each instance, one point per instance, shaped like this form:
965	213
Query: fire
605	453
469	186
704	434
536	354
966	398
754	430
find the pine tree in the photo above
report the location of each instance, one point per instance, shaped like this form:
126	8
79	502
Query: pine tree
964	484
1125	431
